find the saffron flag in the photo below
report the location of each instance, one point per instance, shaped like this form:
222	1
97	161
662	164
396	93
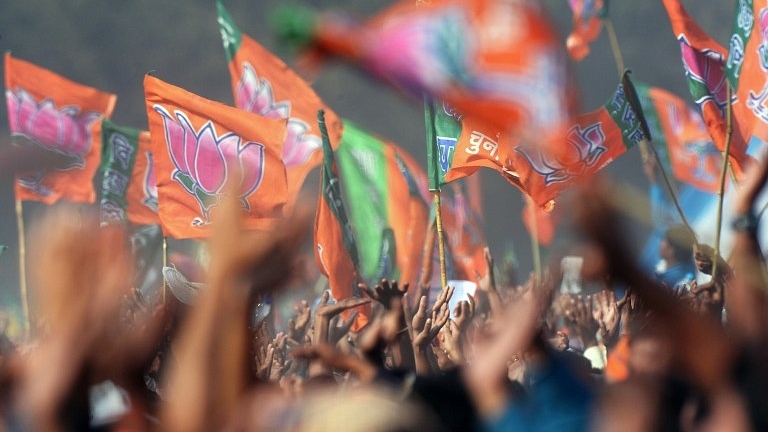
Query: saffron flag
681	139
747	67
587	15
464	235
263	84
60	116
200	146
129	188
592	141
704	63
541	221
335	245
499	60
389	215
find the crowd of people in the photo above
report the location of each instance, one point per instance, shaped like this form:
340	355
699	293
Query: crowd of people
642	352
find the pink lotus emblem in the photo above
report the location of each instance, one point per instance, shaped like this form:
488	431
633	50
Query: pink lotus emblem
254	94
204	161
65	130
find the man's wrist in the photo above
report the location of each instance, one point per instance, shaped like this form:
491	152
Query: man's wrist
746	222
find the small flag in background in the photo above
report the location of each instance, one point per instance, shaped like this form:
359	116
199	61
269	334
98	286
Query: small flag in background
263	84
704	64
129	187
681	139
336	250
61	116
587	24
500	61
199	146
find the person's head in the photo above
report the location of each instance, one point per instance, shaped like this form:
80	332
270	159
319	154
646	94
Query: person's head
677	244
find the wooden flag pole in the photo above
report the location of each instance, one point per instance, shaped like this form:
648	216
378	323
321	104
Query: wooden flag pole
165	264
440	240
721	190
535	247
22	267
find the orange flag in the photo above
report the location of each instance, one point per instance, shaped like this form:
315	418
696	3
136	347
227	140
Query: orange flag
497	60
586	26
142	191
263	84
200	146
61	116
705	68
464	236
592	141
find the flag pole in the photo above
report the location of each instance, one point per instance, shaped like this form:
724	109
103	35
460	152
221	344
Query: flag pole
721	190
619	59
165	264
22	266
440	240
535	247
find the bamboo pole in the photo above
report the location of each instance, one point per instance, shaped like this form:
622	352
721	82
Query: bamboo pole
535	247
721	190
22	267
440	240
165	264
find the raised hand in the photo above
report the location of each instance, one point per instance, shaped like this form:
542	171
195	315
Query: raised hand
325	311
578	312
386	291
605	312
297	327
463	313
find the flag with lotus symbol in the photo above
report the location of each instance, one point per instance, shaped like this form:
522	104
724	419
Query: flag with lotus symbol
587	15
388	212
129	188
592	141
464	235
56	115
681	138
336	250
502	61
201	150
704	61
747	66
263	84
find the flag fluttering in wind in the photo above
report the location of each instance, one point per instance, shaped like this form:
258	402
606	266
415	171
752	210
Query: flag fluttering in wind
681	139
200	147
500	61
388	212
587	24
747	67
464	235
56	115
704	64
263	84
336	251
129	187
592	141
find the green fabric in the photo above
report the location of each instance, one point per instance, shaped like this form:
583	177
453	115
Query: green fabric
119	147
626	111
442	131
230	34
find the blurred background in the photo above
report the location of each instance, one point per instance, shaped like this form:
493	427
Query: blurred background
112	44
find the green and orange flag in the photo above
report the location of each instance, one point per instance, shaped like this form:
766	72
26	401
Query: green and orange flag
200	147
498	60
747	67
60	116
129	188
592	141
336	252
389	214
704	61
263	84
681	139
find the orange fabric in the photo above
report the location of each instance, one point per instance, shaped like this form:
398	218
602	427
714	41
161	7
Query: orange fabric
464	236
199	146
263	84
617	368
683	128
141	195
545	222
60	116
494	73
704	61
586	28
